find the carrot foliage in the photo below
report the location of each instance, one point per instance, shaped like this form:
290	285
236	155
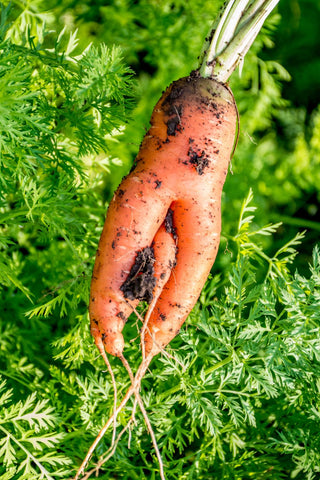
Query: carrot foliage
238	397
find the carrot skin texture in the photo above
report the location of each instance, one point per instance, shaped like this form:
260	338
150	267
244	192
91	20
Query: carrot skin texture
181	167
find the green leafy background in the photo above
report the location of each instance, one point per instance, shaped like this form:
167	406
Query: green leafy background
239	396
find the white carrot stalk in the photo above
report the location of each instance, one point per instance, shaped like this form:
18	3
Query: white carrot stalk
239	25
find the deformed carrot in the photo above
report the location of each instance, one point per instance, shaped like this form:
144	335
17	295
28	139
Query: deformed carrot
172	195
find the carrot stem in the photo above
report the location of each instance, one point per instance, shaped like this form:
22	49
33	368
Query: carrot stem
230	39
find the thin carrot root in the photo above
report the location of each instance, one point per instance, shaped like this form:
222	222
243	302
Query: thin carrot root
112	449
132	421
144	413
102	351
134	387
103	430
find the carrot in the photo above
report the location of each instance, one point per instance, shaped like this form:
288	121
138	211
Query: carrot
162	229
177	182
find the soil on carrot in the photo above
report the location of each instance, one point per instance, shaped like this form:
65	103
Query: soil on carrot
175	93
122	316
141	281
199	159
173	110
168	223
174	123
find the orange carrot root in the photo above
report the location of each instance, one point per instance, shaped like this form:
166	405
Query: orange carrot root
162	229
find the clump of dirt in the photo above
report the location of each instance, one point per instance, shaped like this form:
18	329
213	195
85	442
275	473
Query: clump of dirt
174	123
173	110
122	316
175	93
141	281
199	159
168	223
193	75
